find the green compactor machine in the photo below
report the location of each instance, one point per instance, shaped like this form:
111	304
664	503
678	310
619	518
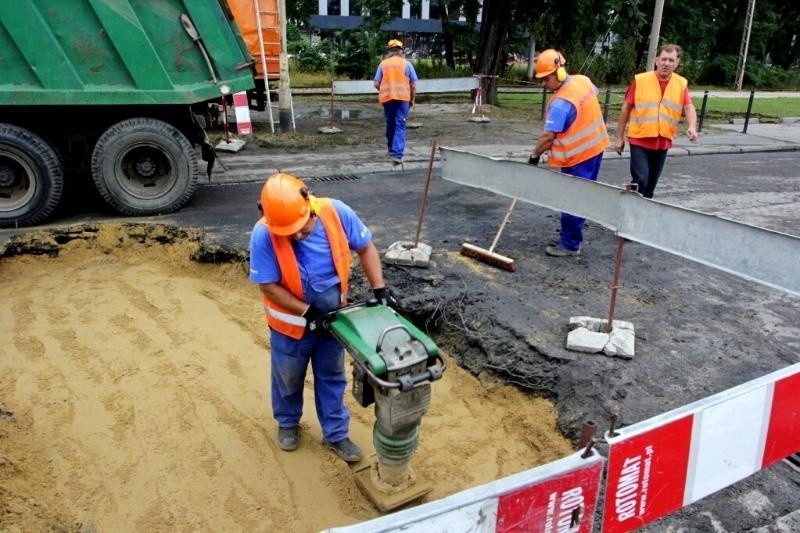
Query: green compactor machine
394	366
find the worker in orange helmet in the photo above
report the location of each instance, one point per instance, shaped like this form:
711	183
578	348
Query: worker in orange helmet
574	132
300	252
396	81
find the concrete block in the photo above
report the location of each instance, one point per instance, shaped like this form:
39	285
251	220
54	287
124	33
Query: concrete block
597	324
583	340
790	120
621	343
753	120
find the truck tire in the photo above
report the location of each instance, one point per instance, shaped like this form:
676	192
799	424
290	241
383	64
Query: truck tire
144	166
31	177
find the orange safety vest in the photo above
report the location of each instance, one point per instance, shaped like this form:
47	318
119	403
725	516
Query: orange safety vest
395	85
278	317
587	136
654	114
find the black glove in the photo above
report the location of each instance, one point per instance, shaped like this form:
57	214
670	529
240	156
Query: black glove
533	160
317	321
384	296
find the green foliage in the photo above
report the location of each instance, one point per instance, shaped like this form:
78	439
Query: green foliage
709	31
436	68
354	59
313	58
294	39
720	71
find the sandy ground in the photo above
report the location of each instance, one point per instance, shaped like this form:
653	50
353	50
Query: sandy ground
134	397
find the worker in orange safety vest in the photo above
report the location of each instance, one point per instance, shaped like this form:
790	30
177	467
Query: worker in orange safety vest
574	132
396	81
653	105
300	253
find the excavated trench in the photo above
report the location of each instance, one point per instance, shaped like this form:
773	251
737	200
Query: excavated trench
134	393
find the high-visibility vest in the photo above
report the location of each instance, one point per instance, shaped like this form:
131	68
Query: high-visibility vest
278	317
587	136
395	84
654	115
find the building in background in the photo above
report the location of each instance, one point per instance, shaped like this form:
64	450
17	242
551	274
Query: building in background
348	14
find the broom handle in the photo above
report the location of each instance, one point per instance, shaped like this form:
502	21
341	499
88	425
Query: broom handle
425	193
502	225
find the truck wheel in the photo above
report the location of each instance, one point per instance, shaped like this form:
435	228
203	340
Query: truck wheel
143	166
31	177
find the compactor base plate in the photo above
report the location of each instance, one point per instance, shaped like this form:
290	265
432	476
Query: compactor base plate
384	501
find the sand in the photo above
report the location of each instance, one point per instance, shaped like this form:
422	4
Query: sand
134	396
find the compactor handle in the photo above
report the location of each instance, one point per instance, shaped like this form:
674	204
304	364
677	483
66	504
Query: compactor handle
432	373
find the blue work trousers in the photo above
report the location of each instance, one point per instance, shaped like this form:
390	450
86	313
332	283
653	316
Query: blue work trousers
646	167
396	112
289	361
572	226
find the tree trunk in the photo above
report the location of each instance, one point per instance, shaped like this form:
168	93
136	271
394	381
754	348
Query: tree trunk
495	23
449	56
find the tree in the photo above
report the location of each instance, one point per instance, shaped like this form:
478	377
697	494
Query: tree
496	21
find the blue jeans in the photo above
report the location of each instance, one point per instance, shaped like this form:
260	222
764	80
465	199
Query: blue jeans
396	112
572	226
646	167
289	363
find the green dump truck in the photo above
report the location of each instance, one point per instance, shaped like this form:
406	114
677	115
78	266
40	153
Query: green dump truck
110	91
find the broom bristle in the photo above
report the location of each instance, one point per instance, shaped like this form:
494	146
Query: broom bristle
490	258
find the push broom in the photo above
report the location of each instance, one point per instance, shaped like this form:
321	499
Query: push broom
489	256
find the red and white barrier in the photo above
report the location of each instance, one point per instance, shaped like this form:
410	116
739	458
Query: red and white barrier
662	464
240	105
557	497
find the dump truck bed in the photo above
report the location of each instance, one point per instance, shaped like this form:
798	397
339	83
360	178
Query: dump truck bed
118	52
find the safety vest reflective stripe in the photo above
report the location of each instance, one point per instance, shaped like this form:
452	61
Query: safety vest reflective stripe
654	114
587	136
582	141
395	84
286	317
661	116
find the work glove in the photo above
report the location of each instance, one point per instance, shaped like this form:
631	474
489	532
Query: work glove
317	321
384	296
533	160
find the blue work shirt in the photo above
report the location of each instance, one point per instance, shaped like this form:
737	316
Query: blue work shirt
560	115
317	271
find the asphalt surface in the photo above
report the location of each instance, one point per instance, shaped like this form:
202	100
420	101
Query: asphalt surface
246	166
701	331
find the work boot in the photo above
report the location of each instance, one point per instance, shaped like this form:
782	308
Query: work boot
558	251
288	438
346	449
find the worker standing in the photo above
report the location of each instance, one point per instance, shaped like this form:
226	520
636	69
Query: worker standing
300	254
574	132
396	81
654	102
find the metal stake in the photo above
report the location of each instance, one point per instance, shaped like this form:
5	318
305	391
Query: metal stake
425	193
615	283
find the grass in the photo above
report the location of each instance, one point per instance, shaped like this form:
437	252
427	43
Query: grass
765	108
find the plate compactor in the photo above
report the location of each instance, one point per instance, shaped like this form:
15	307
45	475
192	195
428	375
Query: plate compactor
394	365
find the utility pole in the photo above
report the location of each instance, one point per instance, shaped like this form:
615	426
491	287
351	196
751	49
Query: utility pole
531	53
748	23
655	31
284	89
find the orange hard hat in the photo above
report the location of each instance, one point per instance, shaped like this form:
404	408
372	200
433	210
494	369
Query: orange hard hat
395	43
286	204
549	61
